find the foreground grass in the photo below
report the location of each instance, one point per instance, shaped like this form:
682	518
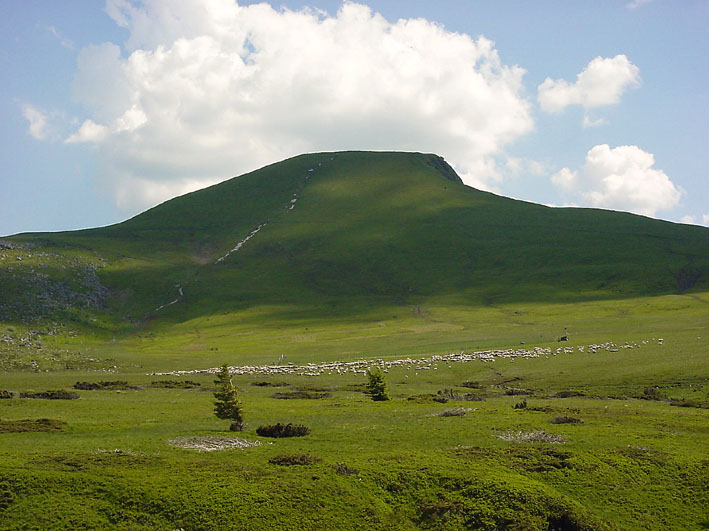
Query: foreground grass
630	463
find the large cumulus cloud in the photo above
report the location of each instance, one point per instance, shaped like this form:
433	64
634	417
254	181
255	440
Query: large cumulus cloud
203	90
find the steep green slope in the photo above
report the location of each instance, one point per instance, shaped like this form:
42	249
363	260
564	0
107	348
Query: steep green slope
346	232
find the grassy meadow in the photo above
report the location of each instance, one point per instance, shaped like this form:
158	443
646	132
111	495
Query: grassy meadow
631	463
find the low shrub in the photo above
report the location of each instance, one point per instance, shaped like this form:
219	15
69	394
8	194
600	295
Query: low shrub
471	385
6	394
175	384
283	430
294	459
312	395
451	394
652	393
103	386
59	394
521	405
31	425
270	384
316	388
565	420
702	404
344	470
512	391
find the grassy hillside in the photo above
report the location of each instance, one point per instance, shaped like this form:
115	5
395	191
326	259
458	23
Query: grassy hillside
374	230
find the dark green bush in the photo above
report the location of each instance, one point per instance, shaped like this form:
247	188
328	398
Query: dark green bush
283	430
59	394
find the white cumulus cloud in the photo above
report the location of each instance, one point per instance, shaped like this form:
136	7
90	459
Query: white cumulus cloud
602	82
621	178
206	89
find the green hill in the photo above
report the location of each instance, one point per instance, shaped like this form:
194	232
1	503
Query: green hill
347	232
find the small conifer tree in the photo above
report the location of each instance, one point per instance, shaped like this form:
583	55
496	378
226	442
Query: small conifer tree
226	405
376	386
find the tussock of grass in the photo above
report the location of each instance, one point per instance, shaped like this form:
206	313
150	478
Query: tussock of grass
174	384
565	420
310	395
294	460
344	470
455	412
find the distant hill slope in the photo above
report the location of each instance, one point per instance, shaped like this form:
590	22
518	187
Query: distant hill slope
339	232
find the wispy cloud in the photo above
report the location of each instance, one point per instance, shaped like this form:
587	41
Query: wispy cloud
65	42
37	121
589	122
637	3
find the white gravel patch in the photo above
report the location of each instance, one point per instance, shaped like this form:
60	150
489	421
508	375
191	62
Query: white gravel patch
210	444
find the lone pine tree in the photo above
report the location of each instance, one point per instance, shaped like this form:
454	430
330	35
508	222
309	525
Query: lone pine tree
227	405
376	386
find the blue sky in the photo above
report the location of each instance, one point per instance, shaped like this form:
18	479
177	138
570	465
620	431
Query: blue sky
108	109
